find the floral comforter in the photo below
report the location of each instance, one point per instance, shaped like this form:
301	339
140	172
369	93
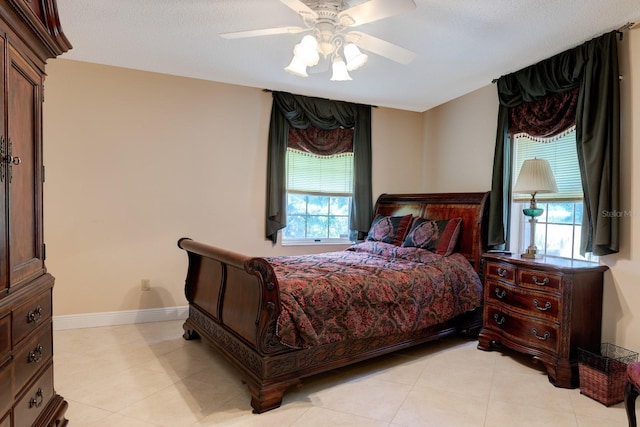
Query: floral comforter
371	289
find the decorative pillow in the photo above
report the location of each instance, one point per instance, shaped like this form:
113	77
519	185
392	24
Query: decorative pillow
389	229
439	236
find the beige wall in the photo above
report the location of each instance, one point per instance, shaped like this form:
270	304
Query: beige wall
459	143
136	160
459	140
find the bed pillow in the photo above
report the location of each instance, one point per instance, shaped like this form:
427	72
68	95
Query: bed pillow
439	236
389	229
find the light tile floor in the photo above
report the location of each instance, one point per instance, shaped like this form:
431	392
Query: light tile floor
145	375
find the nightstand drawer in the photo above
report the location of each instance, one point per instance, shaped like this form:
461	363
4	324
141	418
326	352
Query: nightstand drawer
502	272
536	304
537	279
527	331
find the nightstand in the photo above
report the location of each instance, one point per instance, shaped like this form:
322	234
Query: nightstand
544	307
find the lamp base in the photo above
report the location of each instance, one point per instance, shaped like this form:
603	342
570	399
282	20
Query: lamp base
531	253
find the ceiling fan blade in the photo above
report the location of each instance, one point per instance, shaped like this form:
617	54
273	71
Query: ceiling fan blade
381	47
299	7
374	10
263	32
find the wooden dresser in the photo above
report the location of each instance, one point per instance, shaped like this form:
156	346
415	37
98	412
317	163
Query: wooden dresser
30	34
543	307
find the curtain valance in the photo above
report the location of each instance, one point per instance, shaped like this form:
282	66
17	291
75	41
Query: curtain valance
321	142
546	117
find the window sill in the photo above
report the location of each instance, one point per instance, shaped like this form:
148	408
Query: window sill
319	242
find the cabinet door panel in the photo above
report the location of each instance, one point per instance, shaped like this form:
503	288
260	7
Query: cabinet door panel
4	278
24	175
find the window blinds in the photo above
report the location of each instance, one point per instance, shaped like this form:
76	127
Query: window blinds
309	173
562	156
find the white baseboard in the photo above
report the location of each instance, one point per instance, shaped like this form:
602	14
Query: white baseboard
111	318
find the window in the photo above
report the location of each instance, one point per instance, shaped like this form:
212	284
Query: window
319	191
558	229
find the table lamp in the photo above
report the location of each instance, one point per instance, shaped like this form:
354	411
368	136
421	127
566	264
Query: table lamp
535	177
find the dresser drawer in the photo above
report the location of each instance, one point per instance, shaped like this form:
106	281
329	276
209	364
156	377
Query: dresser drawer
537	279
536	304
33	353
524	330
6	387
5	337
35	400
500	271
30	315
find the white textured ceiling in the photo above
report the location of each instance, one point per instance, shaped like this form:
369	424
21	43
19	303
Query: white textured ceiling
461	45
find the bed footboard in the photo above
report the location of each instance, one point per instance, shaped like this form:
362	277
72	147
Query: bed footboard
237	292
234	304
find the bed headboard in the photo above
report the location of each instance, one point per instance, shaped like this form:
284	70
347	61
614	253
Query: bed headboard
471	207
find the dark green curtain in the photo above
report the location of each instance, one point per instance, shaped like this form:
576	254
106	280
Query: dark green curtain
300	112
593	68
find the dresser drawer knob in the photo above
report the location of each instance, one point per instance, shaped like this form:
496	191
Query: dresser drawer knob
502	272
36	401
541	338
35	356
500	293
35	315
546	307
498	320
544	281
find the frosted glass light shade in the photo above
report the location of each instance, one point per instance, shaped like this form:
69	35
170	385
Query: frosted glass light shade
355	58
297	67
307	51
340	72
535	177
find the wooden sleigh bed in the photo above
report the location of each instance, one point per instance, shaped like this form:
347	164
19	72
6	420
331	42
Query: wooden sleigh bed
235	303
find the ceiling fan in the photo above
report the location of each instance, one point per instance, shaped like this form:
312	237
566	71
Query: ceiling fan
329	23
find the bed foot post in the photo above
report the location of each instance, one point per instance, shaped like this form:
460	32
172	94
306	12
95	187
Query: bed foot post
266	398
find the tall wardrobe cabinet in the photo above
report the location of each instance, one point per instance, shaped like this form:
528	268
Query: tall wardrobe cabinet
30	34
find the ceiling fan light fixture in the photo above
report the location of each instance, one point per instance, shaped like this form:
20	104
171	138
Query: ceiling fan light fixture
297	67
339	68
355	58
307	51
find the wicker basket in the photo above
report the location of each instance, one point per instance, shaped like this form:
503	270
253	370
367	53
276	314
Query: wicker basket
603	376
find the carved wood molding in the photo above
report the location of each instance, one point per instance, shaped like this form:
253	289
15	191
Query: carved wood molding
315	359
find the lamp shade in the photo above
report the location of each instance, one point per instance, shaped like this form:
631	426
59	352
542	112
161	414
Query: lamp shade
340	72
307	51
535	177
297	67
355	58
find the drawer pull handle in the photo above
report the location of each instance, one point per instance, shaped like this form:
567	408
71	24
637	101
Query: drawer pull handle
498	320
544	281
502	272
541	338
35	356
35	315
36	402
500	293
546	307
